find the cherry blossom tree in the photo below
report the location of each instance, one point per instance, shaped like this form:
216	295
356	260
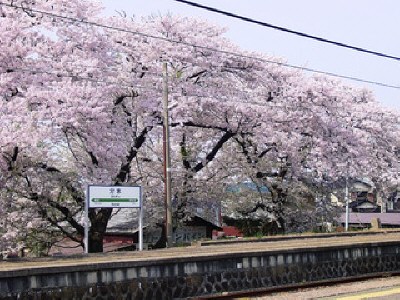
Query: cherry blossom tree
81	104
330	136
77	128
51	108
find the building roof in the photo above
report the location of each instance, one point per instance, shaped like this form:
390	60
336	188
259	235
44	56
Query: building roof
366	218
68	247
125	220
362	203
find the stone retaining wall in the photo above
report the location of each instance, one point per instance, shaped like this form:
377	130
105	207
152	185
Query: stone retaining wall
201	276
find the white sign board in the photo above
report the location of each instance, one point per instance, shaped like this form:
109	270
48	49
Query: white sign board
114	196
99	196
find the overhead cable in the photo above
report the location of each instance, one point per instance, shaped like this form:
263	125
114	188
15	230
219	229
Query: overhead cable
91	23
206	95
76	77
302	34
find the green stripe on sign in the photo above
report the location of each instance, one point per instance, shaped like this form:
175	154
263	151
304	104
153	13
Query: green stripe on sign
115	200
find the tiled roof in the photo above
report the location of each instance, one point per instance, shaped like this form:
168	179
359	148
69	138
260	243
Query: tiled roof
366	218
126	219
68	247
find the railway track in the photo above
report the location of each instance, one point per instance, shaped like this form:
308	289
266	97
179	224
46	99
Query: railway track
290	291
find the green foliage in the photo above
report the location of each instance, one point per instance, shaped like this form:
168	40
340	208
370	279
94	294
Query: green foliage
39	242
259	235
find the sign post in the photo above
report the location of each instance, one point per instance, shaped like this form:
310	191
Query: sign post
113	197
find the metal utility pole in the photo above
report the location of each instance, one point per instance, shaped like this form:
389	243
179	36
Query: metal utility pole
346	197
167	161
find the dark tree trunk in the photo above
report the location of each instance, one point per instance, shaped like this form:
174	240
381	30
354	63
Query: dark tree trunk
99	220
162	242
95	241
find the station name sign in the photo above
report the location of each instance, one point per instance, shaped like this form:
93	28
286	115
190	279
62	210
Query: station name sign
114	196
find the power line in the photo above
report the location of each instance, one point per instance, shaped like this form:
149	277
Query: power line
203	47
330	74
226	99
153	87
76	77
302	34
148	88
207	96
104	69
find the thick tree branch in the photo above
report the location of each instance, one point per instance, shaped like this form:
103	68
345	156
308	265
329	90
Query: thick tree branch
211	155
184	153
245	151
73	191
197	125
44	211
123	173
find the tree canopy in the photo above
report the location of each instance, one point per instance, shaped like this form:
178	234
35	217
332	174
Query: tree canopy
81	104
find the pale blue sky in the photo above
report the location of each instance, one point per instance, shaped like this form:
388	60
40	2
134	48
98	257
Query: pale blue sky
368	24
